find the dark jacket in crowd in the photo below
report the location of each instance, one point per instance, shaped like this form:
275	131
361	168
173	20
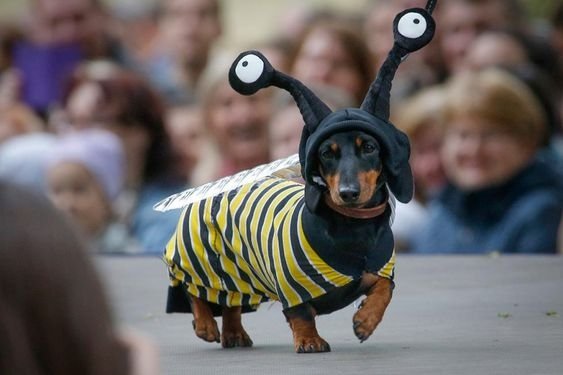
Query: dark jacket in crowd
520	216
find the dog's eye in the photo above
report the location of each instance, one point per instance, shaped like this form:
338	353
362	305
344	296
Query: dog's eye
412	25
328	154
368	147
249	68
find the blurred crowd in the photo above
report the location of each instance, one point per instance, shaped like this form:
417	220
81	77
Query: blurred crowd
106	111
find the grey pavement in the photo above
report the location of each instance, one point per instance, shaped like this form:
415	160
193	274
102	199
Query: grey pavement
449	315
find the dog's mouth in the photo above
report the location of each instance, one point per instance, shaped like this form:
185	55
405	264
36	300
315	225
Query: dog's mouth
355	209
337	200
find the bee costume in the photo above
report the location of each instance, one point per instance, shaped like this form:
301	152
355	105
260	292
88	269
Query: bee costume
272	239
249	246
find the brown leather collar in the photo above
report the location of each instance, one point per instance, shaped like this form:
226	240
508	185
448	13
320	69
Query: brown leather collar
356	213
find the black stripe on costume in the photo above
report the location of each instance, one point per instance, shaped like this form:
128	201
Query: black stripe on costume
227	235
236	220
208	238
299	289
254	238
245	253
263	251
299	252
223	298
271	239
246	300
202	293
187	243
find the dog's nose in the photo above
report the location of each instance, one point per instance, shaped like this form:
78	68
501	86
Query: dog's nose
349	194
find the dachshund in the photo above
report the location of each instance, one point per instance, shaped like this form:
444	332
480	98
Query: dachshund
315	245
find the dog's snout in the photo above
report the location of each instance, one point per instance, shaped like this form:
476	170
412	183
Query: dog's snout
349	194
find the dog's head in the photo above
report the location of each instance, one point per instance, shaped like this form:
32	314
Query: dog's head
251	71
351	165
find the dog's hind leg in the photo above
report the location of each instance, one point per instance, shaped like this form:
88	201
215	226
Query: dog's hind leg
233	334
306	339
370	313
205	326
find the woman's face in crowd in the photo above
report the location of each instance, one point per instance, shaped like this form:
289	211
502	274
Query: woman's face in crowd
187	135
239	123
323	59
476	154
75	191
426	160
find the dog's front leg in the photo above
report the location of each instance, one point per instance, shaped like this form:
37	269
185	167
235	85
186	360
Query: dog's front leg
205	326
370	313
233	333
306	339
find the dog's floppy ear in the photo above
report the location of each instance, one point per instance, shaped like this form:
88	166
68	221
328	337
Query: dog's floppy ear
396	166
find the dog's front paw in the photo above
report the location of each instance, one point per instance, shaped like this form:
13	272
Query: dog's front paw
365	321
315	344
235	338
207	329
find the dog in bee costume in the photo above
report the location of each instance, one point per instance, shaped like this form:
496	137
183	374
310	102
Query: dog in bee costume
316	245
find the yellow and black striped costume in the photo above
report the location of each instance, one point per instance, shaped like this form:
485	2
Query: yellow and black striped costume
250	245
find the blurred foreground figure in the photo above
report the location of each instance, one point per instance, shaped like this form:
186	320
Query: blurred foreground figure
54	316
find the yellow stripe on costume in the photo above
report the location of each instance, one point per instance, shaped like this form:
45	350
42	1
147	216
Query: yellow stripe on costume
282	218
185	262
271	221
245	222
199	248
240	265
295	271
387	270
329	273
260	235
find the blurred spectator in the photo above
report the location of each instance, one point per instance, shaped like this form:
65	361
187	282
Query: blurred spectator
277	51
287	124
85	23
294	19
16	119
333	53
188	30
514	48
500	196
186	128
421	69
22	160
85	175
61	34
10	82
285	130
137	28
54	315
104	95
548	94
533	61
422	119
9	34
495	48
237	126
462	20
557	42
557	29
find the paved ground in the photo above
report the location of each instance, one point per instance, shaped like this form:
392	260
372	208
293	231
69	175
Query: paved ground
449	315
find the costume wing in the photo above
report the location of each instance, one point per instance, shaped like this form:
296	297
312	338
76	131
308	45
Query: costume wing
288	168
